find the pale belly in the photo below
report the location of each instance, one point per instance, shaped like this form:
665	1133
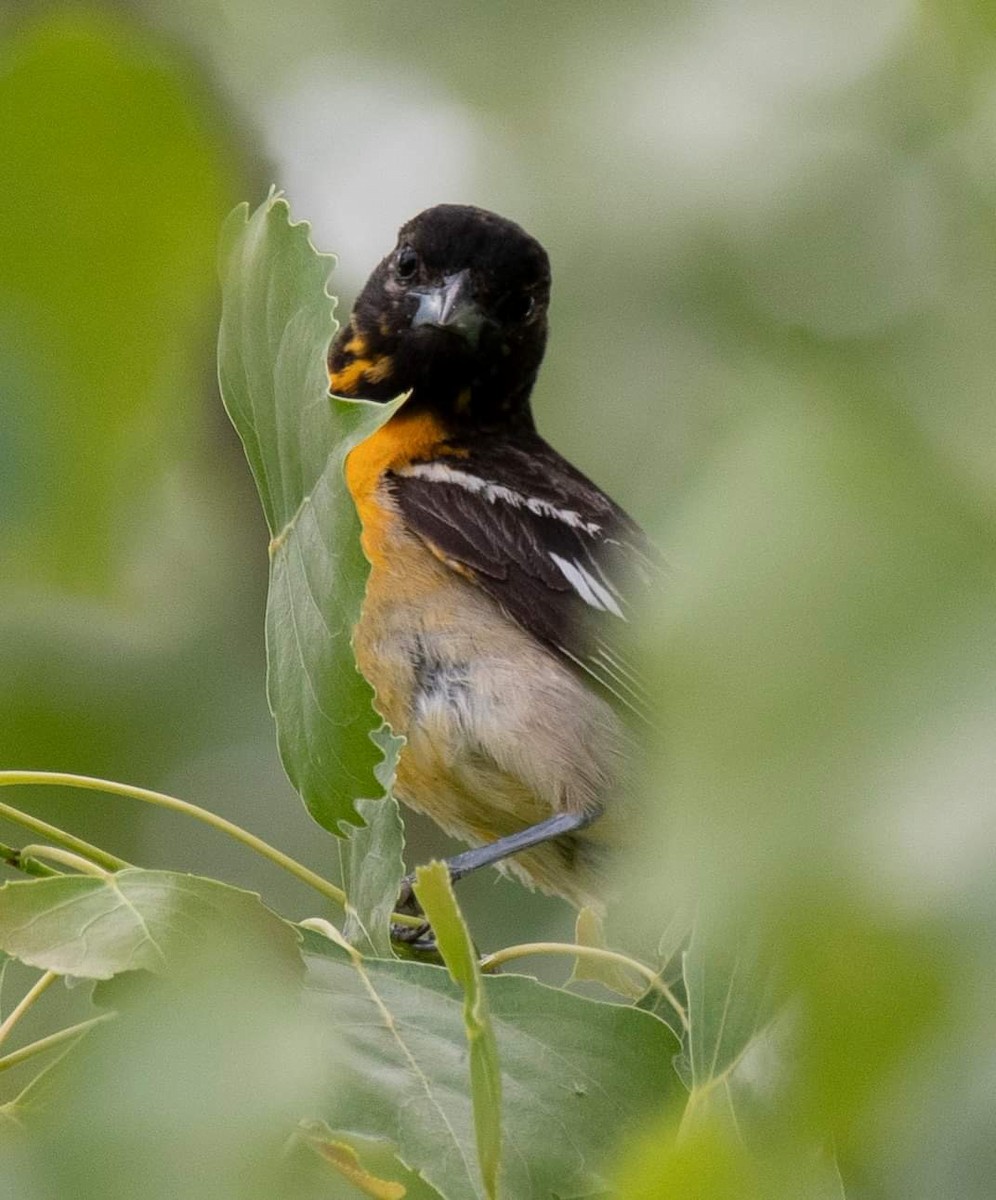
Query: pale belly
500	734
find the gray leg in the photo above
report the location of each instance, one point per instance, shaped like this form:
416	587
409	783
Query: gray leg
533	835
420	937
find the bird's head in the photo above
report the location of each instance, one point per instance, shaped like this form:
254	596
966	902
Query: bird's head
456	313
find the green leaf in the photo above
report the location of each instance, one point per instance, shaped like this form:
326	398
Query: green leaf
729	1002
275	328
372	869
742	1056
831	1183
133	920
573	1072
106	278
655	1001
709	1160
434	891
192	1089
701	1165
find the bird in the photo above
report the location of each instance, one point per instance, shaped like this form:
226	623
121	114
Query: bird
492	630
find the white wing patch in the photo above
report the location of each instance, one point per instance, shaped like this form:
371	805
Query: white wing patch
593	591
586	585
438	472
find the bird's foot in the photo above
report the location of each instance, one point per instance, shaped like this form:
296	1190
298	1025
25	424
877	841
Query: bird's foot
419	938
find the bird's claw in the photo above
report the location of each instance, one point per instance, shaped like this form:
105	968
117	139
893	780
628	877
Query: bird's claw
419	937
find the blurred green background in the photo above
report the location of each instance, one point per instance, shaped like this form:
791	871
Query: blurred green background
772	231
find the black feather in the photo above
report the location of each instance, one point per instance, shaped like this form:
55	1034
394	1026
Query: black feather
507	546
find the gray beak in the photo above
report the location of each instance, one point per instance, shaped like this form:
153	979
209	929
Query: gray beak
450	306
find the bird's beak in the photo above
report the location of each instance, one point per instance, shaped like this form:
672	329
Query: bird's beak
450	306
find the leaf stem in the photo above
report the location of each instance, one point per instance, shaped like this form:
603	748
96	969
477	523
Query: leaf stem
66	857
12	857
52	832
40	985
16	1057
572	949
174	804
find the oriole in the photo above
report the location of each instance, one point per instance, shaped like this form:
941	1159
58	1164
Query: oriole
500	574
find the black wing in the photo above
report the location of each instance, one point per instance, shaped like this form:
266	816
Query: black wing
560	557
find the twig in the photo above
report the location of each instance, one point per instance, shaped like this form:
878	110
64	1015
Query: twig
510	953
174	804
16	1057
41	985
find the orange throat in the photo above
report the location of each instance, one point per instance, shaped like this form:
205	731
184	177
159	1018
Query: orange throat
406	438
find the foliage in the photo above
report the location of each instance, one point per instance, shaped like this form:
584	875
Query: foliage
270	364
772	239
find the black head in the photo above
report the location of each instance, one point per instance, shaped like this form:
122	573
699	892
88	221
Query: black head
456	313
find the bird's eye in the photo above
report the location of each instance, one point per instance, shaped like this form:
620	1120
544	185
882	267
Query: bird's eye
519	306
406	264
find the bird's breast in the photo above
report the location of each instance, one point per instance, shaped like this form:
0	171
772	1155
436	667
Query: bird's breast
409	436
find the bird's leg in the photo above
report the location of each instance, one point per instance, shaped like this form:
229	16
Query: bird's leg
533	835
485	856
418	936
